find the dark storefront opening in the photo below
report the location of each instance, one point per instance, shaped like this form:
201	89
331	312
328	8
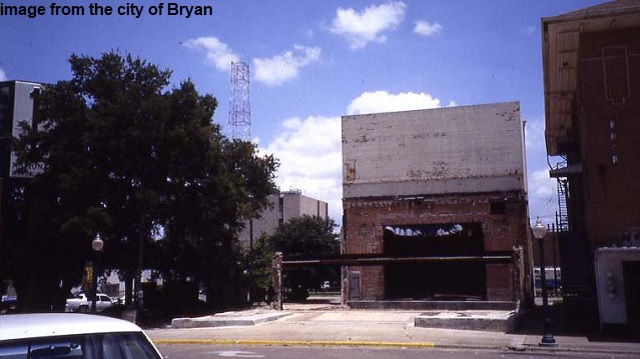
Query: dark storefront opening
631	272
439	280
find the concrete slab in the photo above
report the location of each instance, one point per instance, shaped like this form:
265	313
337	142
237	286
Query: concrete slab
487	320
432	305
242	318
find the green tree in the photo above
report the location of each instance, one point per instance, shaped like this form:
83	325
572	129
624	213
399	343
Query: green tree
307	237
130	158
259	261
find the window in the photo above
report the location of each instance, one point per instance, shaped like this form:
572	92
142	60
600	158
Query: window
616	74
87	346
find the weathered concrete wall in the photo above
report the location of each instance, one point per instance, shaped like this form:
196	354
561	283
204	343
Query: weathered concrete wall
283	207
313	207
467	149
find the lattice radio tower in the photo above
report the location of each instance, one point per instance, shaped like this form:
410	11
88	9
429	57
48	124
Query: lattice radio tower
239	105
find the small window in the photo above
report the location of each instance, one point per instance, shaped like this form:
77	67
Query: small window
617	85
498	207
17	351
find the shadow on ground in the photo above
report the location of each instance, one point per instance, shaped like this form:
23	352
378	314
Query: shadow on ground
532	323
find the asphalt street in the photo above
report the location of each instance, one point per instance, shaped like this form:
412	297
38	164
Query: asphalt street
280	352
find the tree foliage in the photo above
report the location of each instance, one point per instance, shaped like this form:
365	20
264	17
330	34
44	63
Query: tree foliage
133	159
306	237
259	262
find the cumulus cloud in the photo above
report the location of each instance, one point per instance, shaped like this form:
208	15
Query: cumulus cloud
310	157
534	137
543	198
425	28
286	66
217	53
3	76
383	101
368	25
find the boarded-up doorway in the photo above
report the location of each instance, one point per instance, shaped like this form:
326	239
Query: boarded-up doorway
631	270
434	280
354	285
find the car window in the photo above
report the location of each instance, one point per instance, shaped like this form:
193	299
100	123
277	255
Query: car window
89	346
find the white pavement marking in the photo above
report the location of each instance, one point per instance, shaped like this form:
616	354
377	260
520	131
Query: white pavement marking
238	353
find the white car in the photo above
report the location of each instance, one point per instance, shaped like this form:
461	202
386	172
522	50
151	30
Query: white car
81	303
70	335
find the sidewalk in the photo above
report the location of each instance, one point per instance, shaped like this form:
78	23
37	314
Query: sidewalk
332	325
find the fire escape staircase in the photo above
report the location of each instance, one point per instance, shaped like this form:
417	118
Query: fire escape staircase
562	220
573	248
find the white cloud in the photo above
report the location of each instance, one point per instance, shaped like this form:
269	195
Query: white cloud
286	66
309	151
530	30
543	198
3	76
424	28
382	101
542	189
534	137
368	25
217	53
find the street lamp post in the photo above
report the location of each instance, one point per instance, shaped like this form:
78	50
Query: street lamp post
97	245
540	232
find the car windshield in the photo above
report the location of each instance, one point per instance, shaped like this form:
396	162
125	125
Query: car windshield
86	346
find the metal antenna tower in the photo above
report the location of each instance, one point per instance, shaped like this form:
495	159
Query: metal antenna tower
239	105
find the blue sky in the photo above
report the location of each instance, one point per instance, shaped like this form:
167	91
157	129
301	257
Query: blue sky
313	61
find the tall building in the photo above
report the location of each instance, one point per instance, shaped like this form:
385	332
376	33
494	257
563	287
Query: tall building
440	195
591	62
16	106
17	101
282	207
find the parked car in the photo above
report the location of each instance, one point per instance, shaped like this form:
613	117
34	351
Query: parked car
9	303
81	303
71	335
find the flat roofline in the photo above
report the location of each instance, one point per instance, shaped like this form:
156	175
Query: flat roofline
515	102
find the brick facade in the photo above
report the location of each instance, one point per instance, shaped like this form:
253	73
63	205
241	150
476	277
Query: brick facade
365	219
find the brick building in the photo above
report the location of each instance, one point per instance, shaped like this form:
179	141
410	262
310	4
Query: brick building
440	195
591	61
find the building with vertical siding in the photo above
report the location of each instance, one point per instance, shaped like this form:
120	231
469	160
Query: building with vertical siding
591	62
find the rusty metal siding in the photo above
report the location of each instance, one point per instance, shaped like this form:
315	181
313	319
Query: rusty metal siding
467	149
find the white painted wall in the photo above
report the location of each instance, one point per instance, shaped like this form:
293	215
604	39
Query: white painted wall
608	266
464	149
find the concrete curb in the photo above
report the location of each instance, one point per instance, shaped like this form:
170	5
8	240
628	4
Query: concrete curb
413	345
310	343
